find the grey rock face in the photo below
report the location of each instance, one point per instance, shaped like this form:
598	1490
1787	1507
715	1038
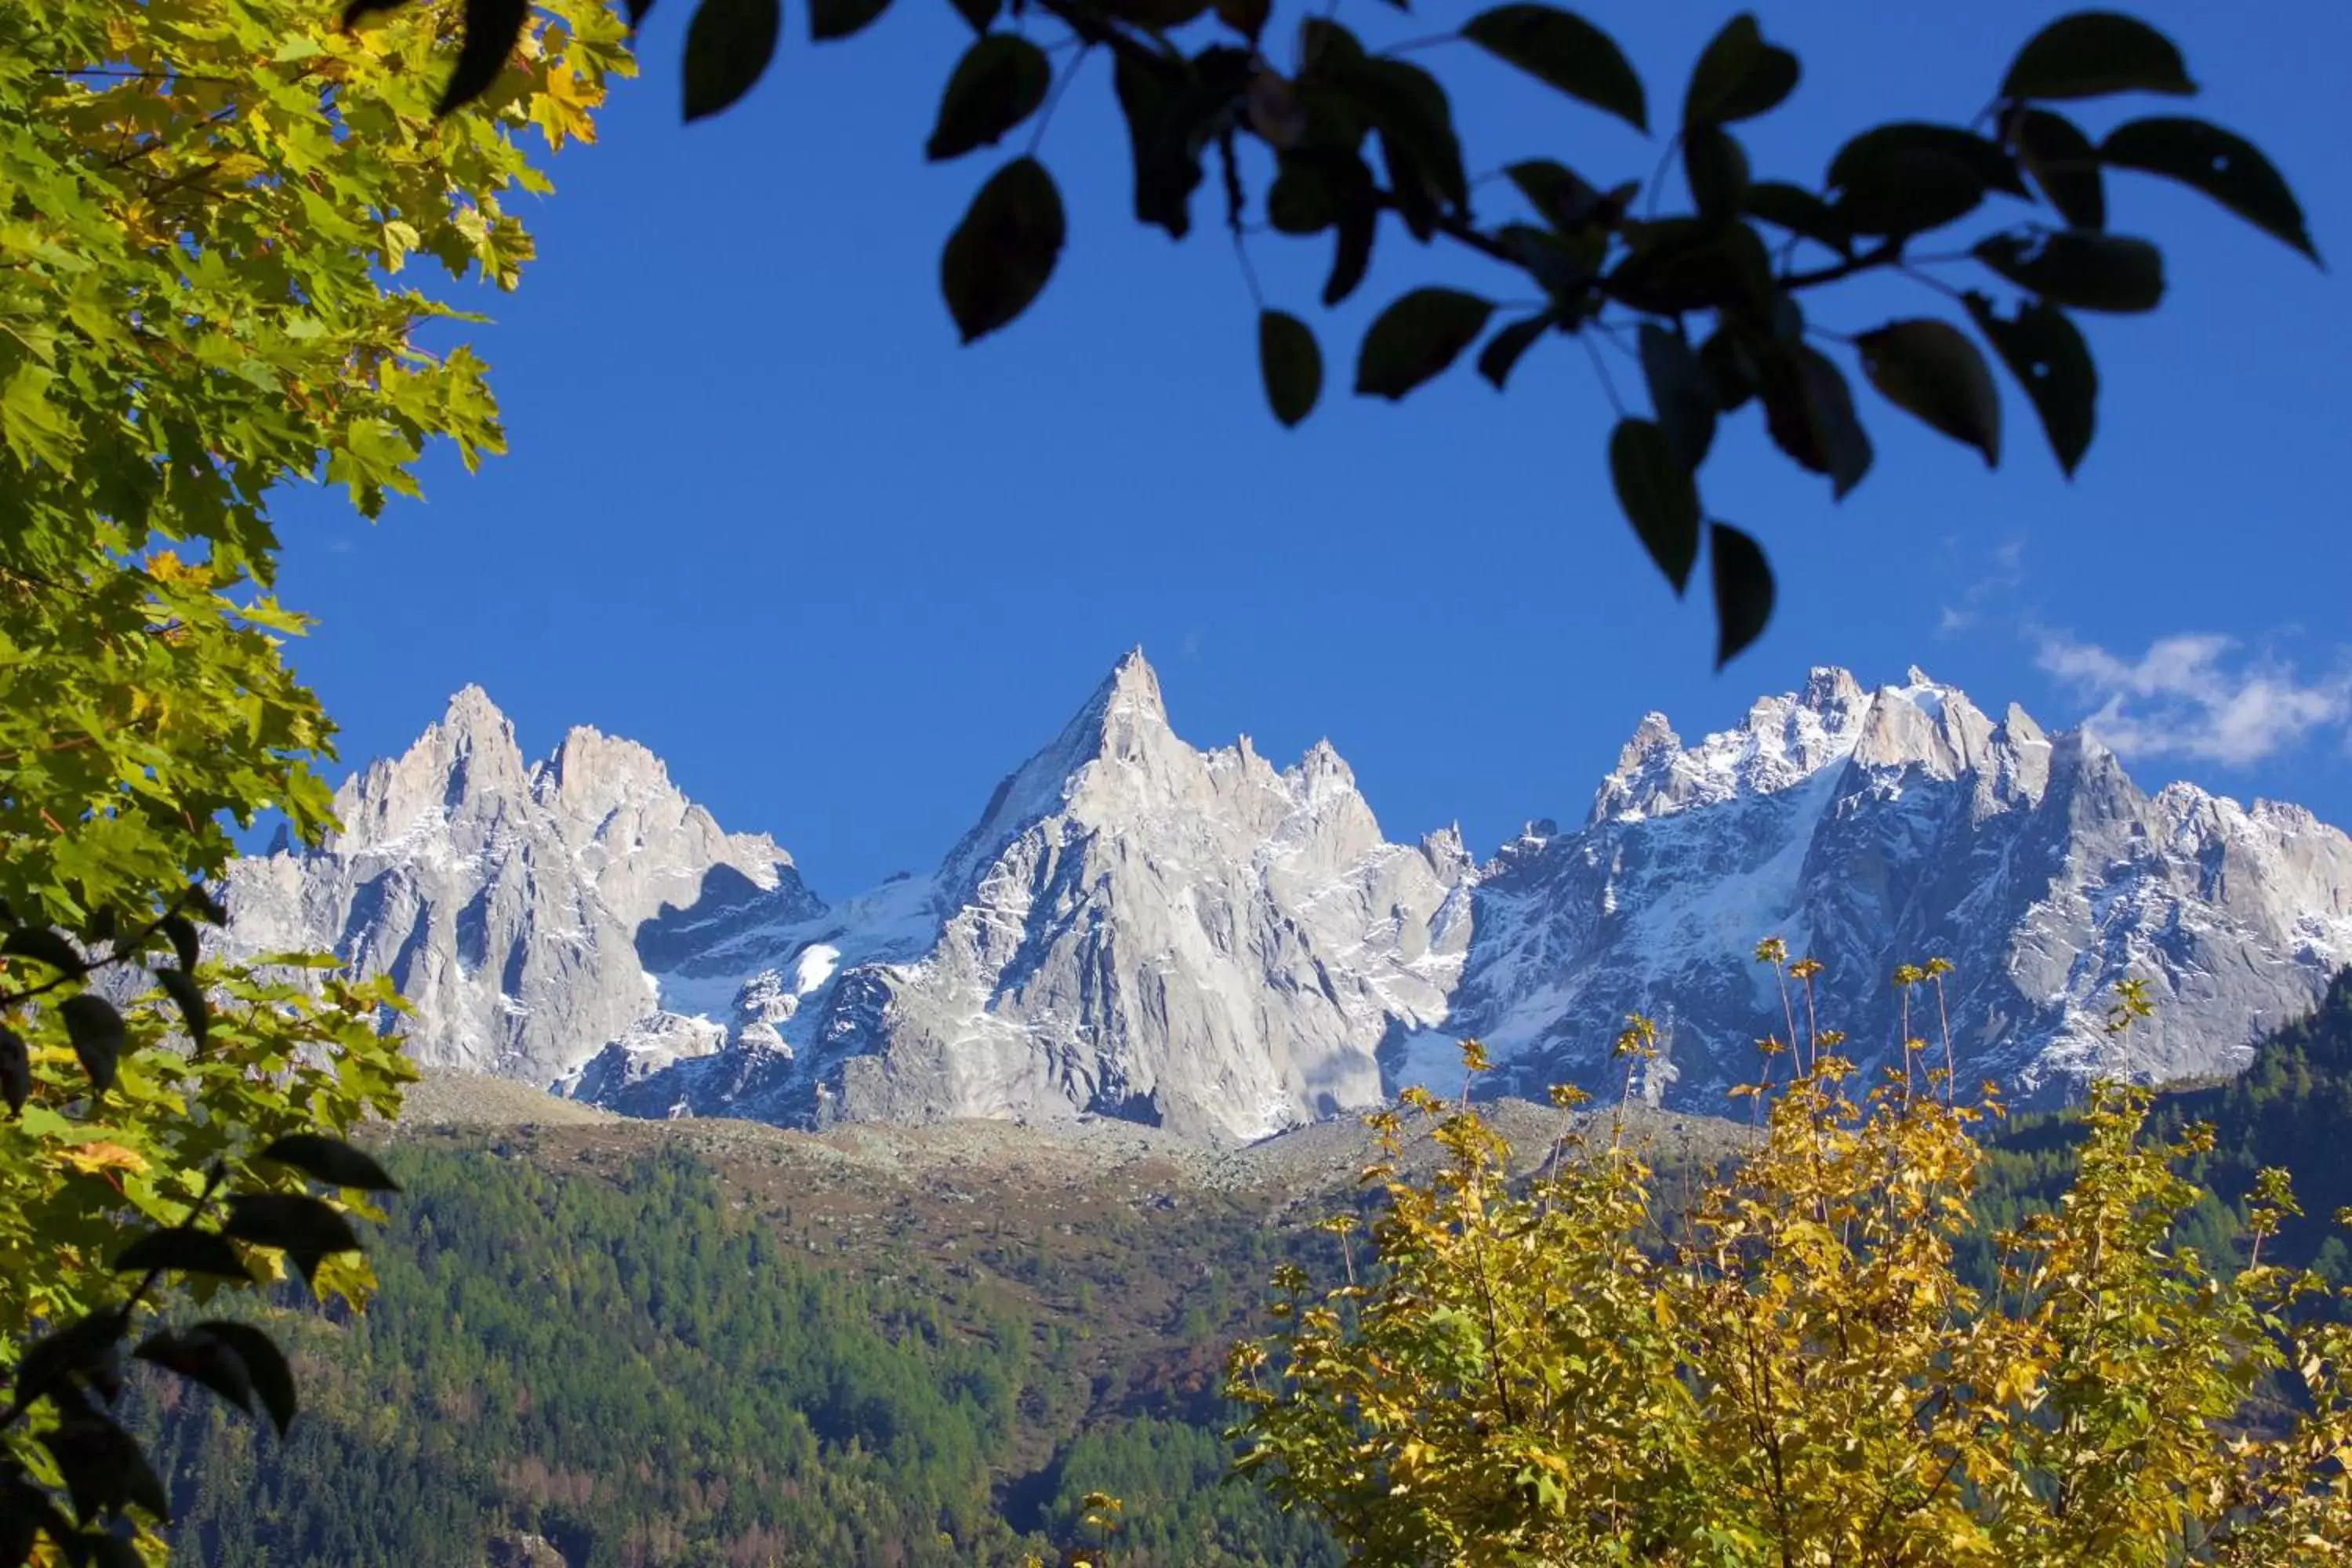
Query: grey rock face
513	903
1136	929
1199	939
1871	830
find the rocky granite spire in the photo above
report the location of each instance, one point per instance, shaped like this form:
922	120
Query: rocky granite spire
509	902
1134	928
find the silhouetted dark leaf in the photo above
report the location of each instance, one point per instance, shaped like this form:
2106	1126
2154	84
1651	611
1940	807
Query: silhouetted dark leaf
1799	211
1739	75
1986	158
195	1011
998	83
1743	590
727	44
492	26
1291	364
202	1356
46	946
358	10
329	1159
1352	252
2062	163
1558	193
1729	370
1715	168
186	1250
1908	177
204	907
103	1468
1416	124
96	1030
1302	199
1502	353
999	257
1170	106
1656	492
2088	271
1247	17
2226	167
2047	355
25	1513
265	1364
2091	53
1327	48
841	18
84	1351
1567	51
182	938
112	1552
1416	338
1930	369
1681	264
1161	15
1150	89
1561	264
15	1069
1808	411
306	1228
1682	397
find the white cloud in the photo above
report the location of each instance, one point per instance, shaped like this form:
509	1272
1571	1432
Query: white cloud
1997	580
2187	696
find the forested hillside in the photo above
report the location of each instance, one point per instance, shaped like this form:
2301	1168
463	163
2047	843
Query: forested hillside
617	1352
703	1342
2291	1109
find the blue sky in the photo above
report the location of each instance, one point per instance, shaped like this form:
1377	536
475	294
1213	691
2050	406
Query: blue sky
764	515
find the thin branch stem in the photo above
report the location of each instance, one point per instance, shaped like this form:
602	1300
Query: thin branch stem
1601	368
1054	98
1938	284
118	951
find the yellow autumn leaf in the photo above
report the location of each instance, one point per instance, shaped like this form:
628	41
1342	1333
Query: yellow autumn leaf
99	1155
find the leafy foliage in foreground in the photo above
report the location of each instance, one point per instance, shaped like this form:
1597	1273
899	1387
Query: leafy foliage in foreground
1793	1369
642	1376
202	206
1341	141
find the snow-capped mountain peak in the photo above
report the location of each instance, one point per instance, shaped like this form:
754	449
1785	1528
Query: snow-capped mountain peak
1134	927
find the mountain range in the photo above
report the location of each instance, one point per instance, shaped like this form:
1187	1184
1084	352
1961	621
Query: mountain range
1200	939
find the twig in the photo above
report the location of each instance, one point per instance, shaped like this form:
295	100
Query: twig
1601	368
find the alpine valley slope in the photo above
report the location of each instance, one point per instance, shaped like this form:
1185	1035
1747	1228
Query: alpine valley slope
1137	928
